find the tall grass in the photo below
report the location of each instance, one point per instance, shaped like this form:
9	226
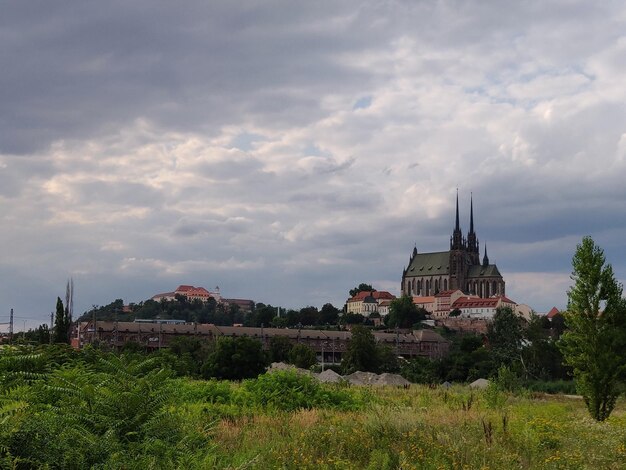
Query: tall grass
422	428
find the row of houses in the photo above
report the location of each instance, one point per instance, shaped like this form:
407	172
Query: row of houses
442	304
438	306
328	345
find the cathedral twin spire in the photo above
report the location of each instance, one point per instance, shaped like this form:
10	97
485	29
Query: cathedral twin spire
471	243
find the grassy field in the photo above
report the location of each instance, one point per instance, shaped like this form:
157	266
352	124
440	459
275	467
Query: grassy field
120	412
415	428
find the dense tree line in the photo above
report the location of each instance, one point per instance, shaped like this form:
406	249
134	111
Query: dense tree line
529	349
219	314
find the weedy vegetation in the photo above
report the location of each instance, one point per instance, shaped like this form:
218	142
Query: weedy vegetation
105	411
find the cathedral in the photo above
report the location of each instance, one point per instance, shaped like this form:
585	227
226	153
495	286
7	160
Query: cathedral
459	268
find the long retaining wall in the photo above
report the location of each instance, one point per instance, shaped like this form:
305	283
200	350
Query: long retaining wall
330	344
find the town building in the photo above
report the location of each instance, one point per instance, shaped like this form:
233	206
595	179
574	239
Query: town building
459	268
425	302
190	293
444	301
367	302
330	346
476	307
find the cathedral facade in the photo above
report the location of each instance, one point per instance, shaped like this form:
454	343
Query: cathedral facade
458	268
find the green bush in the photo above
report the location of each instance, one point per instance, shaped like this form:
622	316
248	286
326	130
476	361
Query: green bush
208	391
288	391
566	387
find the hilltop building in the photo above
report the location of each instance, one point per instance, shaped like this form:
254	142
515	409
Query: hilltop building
190	293
368	302
459	268
200	293
476	307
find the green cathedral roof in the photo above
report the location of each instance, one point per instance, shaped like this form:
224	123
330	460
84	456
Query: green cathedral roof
438	264
491	270
429	264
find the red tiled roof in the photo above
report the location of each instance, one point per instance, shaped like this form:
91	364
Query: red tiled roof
553	312
164	294
470	302
184	288
374	293
423	299
445	293
383	294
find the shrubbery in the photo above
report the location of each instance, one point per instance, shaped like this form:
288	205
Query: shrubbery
288	390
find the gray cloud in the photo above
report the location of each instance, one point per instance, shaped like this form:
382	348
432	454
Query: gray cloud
289	151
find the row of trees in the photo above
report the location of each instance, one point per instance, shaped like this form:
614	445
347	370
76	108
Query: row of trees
218	314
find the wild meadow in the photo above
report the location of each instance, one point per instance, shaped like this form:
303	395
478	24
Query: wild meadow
417	428
111	411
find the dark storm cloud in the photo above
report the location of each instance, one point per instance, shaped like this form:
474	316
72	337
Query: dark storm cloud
288	151
79	69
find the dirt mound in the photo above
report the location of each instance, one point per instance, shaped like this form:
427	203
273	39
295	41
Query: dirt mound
276	366
369	378
362	378
479	383
392	379
329	376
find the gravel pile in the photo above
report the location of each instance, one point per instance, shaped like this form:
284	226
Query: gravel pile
362	378
479	383
329	376
392	379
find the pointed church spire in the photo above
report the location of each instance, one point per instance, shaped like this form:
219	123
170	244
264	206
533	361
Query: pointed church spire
485	258
471	213
457	226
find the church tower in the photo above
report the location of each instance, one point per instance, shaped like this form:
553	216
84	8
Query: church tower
458	248
472	240
460	267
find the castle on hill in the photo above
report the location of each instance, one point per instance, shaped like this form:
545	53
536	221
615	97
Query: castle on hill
458	268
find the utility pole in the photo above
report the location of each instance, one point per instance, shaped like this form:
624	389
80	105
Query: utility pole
93	336
11	327
115	335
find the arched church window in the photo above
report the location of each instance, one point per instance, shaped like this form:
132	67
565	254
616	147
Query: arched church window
445	284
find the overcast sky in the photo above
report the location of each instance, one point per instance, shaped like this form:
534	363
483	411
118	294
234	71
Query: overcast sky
287	151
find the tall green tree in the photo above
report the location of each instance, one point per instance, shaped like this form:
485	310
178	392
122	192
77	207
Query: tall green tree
302	356
235	359
594	344
280	347
362	353
505	335
61	324
329	314
403	313
360	288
